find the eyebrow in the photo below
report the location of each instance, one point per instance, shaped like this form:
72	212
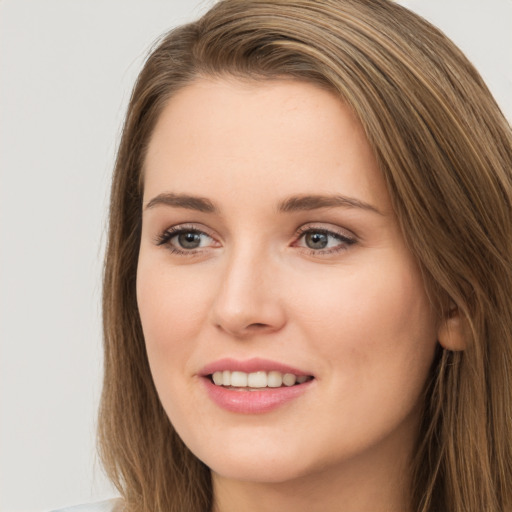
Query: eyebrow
189	202
314	202
288	205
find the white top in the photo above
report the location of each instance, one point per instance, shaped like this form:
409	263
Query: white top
99	506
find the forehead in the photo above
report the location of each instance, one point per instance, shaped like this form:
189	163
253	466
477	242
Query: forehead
279	135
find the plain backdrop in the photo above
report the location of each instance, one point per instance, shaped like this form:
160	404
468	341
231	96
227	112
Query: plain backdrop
66	72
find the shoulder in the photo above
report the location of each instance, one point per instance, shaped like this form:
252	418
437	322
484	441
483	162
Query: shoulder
112	505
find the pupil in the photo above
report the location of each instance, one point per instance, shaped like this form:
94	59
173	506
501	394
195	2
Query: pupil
316	240
189	240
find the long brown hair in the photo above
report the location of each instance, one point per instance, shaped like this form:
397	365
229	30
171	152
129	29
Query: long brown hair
445	150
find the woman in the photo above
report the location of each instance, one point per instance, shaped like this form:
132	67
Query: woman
307	283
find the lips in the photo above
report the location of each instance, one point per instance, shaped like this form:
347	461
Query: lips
255	385
250	366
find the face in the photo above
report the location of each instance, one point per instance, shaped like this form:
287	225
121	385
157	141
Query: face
282	311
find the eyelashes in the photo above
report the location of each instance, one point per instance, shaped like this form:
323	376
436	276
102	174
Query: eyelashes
322	241
188	240
185	240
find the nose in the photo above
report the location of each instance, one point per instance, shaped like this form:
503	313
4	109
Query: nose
248	301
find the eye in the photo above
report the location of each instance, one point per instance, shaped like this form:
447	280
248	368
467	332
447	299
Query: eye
188	240
323	241
318	240
185	240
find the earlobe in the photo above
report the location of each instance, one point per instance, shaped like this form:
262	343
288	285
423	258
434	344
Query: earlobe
451	334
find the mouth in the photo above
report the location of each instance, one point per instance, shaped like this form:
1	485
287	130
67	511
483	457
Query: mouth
256	381
256	385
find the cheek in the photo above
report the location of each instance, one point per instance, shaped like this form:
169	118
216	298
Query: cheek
171	310
369	319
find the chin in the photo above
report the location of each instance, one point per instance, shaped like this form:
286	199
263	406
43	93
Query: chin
265	462
263	471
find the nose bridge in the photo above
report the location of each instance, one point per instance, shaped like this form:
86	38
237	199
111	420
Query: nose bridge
247	300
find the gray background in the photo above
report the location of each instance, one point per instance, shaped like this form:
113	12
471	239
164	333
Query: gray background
66	71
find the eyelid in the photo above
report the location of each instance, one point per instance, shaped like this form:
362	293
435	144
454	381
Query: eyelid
327	228
164	237
345	237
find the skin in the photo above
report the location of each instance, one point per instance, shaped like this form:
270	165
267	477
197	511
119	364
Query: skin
356	317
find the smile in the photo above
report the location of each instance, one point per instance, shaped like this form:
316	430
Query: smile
238	380
254	386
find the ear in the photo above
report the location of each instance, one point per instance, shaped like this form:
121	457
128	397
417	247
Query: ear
451	334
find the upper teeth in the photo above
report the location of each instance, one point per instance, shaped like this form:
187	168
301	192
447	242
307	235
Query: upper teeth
259	379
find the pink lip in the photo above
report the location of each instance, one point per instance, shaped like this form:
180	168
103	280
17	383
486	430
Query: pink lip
252	402
250	365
